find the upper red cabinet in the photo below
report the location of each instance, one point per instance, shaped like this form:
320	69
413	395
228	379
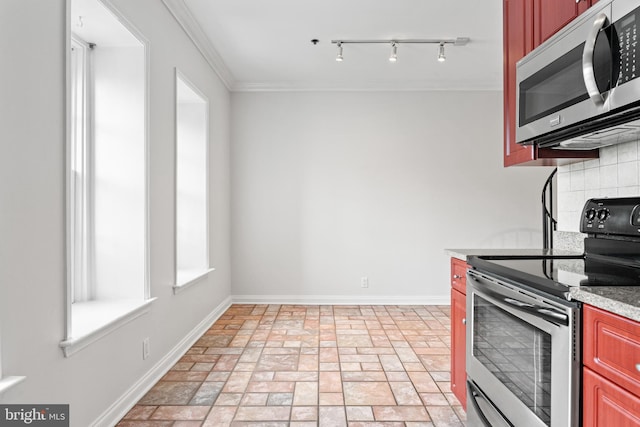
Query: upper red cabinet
552	15
526	24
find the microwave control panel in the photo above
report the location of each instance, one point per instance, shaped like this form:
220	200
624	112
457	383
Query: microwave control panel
627	31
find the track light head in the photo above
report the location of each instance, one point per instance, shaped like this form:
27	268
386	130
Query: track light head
339	57
441	56
394	52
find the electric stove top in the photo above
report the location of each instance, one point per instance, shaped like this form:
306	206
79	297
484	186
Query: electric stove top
612	254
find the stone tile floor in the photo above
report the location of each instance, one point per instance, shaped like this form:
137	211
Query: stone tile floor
294	365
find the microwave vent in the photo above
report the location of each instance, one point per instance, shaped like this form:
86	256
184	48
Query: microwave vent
603	137
606	133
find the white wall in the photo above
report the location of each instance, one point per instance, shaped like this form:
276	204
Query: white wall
330	187
32	216
615	174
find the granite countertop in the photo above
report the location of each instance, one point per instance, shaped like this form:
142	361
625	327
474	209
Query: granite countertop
621	300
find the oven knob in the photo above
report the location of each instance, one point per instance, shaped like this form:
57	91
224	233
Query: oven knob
591	214
603	214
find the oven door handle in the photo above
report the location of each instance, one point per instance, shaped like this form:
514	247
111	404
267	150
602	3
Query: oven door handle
535	310
545	313
488	414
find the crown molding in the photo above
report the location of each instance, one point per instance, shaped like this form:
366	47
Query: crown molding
362	86
183	16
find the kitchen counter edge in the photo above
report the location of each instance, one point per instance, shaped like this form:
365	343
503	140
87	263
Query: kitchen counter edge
621	300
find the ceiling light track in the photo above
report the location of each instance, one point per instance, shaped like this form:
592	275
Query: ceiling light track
458	41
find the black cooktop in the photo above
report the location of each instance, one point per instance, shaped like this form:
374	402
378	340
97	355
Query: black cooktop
611	257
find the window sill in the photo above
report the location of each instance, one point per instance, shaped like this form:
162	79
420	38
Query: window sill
189	278
93	320
7	382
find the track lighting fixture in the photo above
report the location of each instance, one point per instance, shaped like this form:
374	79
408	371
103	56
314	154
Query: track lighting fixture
441	57
458	41
394	52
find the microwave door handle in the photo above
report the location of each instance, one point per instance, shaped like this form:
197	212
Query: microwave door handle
588	72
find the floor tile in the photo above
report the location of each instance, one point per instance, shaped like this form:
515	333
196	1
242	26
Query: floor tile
207	393
180	413
359	413
368	393
332	416
262	413
304	413
140	412
170	393
400	413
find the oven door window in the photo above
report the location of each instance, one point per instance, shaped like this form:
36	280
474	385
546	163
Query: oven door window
516	353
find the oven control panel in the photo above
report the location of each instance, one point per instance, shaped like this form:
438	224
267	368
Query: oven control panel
617	216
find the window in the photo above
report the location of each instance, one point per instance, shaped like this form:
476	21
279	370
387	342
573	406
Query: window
192	237
107	174
79	174
8	381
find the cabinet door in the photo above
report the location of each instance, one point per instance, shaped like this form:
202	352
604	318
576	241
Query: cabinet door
606	405
612	347
458	345
585	4
518	41
551	16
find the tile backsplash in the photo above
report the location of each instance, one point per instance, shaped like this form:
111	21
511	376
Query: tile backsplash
615	174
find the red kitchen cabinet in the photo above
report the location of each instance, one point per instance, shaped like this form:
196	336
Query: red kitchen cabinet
523	21
458	330
611	375
553	15
605	404
585	4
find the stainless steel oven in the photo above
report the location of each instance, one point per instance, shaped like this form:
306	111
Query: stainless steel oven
523	355
523	328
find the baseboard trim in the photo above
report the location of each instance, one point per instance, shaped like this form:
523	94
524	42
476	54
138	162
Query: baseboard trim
341	299
121	406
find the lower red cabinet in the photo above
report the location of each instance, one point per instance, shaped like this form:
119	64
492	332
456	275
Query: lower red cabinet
458	330
458	344
611	373
606	404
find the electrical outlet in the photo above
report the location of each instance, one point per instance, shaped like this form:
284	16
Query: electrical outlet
145	348
364	282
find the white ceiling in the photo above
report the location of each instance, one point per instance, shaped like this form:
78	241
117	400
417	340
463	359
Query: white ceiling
266	44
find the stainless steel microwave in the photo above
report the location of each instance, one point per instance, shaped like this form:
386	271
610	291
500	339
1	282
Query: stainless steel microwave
580	88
